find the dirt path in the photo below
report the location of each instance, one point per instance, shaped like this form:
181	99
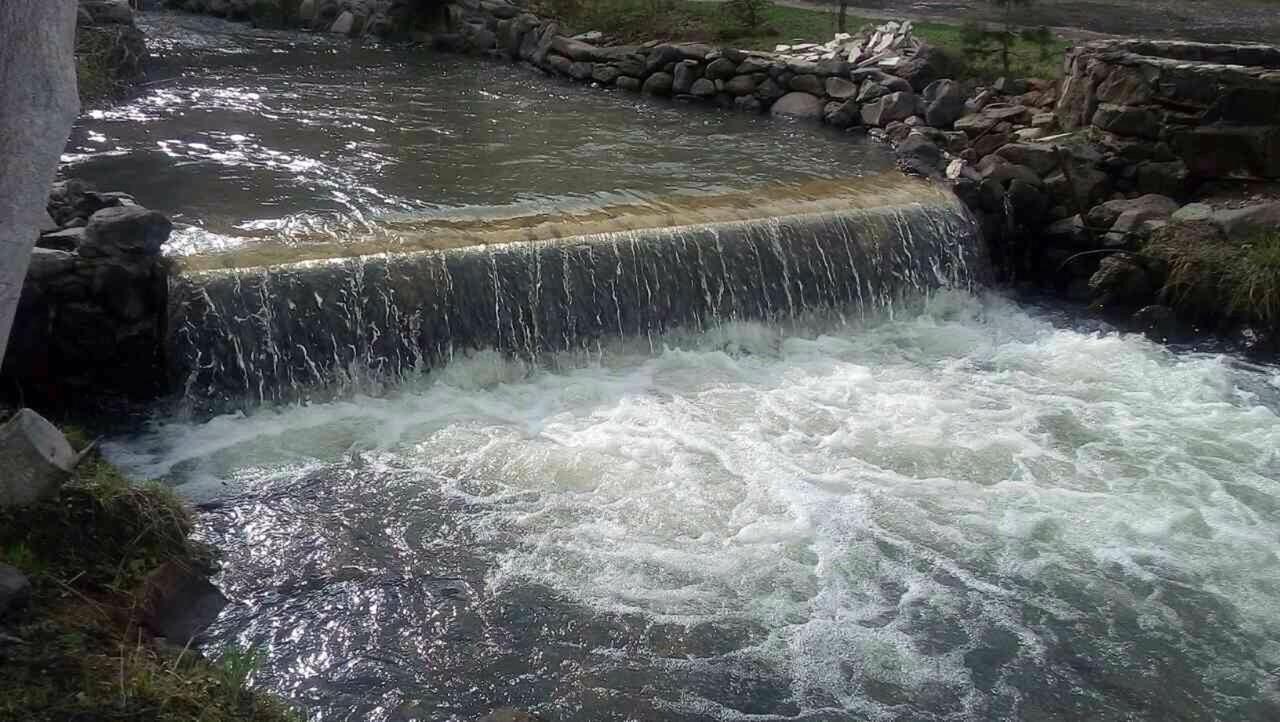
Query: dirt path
1204	20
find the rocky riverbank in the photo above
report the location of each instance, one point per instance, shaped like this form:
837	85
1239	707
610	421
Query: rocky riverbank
110	49
101	594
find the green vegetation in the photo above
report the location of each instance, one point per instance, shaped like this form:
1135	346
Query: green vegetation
1209	276
94	69
641	20
1000	41
78	650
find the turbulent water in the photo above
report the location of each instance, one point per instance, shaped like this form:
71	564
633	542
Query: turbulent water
966	512
251	137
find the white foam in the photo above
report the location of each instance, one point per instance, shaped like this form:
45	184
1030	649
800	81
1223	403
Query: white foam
876	500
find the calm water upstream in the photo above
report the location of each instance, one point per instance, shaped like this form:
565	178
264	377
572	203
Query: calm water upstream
965	509
280	137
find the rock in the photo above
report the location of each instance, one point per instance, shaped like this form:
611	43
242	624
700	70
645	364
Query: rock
1025	135
1244	224
747	104
841	89
944	103
721	69
15	589
1027	204
929	63
1159	323
991	195
917	146
999	169
658	84
559	63
1168	179
1045	121
741	85
1127	120
987	144
798	105
1106	214
810	84
1224	151
890	108
769	91
1192	212
976	125
178	603
1007	113
1068	233
1120	280
575	49
1038	157
108	12
686	72
604	74
344	25
1010	86
966	189
580	71
703	88
36	458
126	229
871	90
843	115
67	239
660	56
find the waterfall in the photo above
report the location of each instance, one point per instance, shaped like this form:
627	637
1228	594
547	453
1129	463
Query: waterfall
263	335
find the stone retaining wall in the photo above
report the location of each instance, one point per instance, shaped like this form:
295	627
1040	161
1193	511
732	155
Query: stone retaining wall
1213	108
91	320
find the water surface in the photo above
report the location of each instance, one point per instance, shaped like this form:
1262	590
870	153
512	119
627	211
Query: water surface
968	512
250	136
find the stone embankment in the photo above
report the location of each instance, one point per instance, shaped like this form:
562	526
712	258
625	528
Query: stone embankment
91	319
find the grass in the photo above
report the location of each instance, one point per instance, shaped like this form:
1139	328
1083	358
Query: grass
1211	277
692	20
78	650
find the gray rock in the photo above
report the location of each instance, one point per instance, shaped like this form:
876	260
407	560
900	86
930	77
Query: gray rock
1128	120
179	603
108	12
721	69
747	104
810	84
1168	179
929	63
944	103
660	56
769	91
658	84
580	70
890	108
126	230
798	105
1147	207
741	85
626	82
999	169
871	90
604	74
1120	280
1027	203
67	239
15	589
575	49
843	115
703	88
1243	224
916	145
753	65
345	24
1192	212
559	63
1038	157
686	72
841	89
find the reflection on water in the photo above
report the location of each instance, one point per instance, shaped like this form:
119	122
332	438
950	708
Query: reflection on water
271	135
966	513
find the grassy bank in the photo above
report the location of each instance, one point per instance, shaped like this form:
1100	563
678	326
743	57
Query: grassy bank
1212	278
642	20
78	650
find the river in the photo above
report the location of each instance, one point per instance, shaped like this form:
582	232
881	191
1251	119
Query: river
959	507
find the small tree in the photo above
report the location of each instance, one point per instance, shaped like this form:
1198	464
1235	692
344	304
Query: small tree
998	40
748	14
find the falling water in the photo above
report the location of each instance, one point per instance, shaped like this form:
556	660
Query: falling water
324	328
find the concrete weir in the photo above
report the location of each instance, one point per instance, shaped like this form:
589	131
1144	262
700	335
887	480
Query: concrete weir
315	328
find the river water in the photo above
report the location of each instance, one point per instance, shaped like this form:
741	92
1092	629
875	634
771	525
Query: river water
966	509
250	137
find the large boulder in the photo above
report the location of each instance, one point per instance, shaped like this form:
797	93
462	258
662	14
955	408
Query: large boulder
841	89
1038	157
929	63
842	115
125	230
944	103
1243	224
658	84
892	107
1121	280
798	105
